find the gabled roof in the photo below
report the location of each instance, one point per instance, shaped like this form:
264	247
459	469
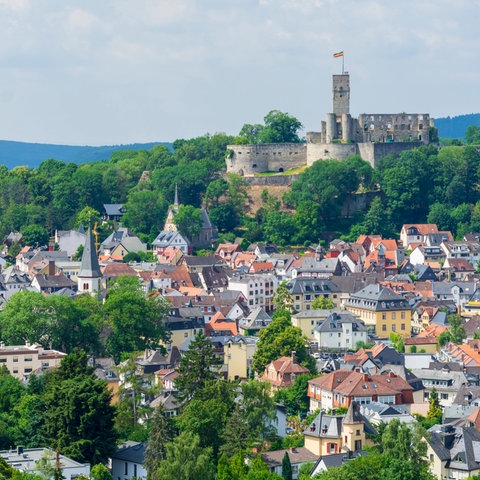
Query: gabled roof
113	209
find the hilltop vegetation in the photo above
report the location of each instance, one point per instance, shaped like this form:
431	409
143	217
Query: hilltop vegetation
426	184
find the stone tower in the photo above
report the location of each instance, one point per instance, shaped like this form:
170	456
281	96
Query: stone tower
341	94
89	277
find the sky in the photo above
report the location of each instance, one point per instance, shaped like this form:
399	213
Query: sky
98	72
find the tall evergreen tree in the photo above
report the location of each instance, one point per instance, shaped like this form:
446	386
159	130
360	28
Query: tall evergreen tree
286	467
161	432
198	366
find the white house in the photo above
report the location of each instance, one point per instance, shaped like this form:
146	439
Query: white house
26	460
340	331
127	461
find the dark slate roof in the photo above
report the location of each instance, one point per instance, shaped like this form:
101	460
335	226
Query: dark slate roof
112	209
55	281
334	322
378	298
89	267
459	447
311	285
131	453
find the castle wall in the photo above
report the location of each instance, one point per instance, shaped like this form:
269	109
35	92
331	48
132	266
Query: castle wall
324	151
373	152
272	180
269	157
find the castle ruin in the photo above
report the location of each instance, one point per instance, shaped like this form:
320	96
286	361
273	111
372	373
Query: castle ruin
371	135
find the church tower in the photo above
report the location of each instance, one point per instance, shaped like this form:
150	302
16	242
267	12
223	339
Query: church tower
89	277
341	94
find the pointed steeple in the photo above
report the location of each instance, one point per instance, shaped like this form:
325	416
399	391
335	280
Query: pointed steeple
350	415
89	267
80	228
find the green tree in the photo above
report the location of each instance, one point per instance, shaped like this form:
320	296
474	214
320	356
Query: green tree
295	398
206	414
472	135
456	329
135	392
280	127
135	322
26	317
35	235
79	417
397	342
188	220
322	303
198	366
100	472
87	216
282	299
279	339
434	410
186	459
286	467
161	432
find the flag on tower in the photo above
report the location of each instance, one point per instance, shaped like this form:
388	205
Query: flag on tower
339	54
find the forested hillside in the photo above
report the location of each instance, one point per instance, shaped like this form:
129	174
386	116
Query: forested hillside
32	154
455	127
427	184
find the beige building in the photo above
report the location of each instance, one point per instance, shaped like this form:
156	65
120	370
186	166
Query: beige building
330	434
239	351
382	310
22	360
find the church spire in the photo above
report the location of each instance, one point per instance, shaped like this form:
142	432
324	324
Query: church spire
89	267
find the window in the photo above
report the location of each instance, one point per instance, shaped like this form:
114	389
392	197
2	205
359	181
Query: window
15	359
28	359
358	445
126	469
444	396
135	470
331	448
384	316
402	326
394	327
402	315
394	316
384	328
27	370
3	360
357	432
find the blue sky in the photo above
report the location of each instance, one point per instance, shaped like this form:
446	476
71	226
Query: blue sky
95	72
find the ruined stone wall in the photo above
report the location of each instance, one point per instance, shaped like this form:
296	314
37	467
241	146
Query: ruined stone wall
272	180
373	152
401	127
269	157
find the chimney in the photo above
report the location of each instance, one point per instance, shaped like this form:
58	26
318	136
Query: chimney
51	268
293	355
19	450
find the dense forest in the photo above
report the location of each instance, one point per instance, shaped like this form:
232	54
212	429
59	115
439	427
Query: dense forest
426	184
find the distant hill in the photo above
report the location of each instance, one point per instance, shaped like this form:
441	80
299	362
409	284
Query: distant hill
454	127
32	155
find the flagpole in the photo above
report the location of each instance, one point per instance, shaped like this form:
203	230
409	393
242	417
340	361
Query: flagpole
343	64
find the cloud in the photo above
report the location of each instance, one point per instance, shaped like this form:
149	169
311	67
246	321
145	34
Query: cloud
120	71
